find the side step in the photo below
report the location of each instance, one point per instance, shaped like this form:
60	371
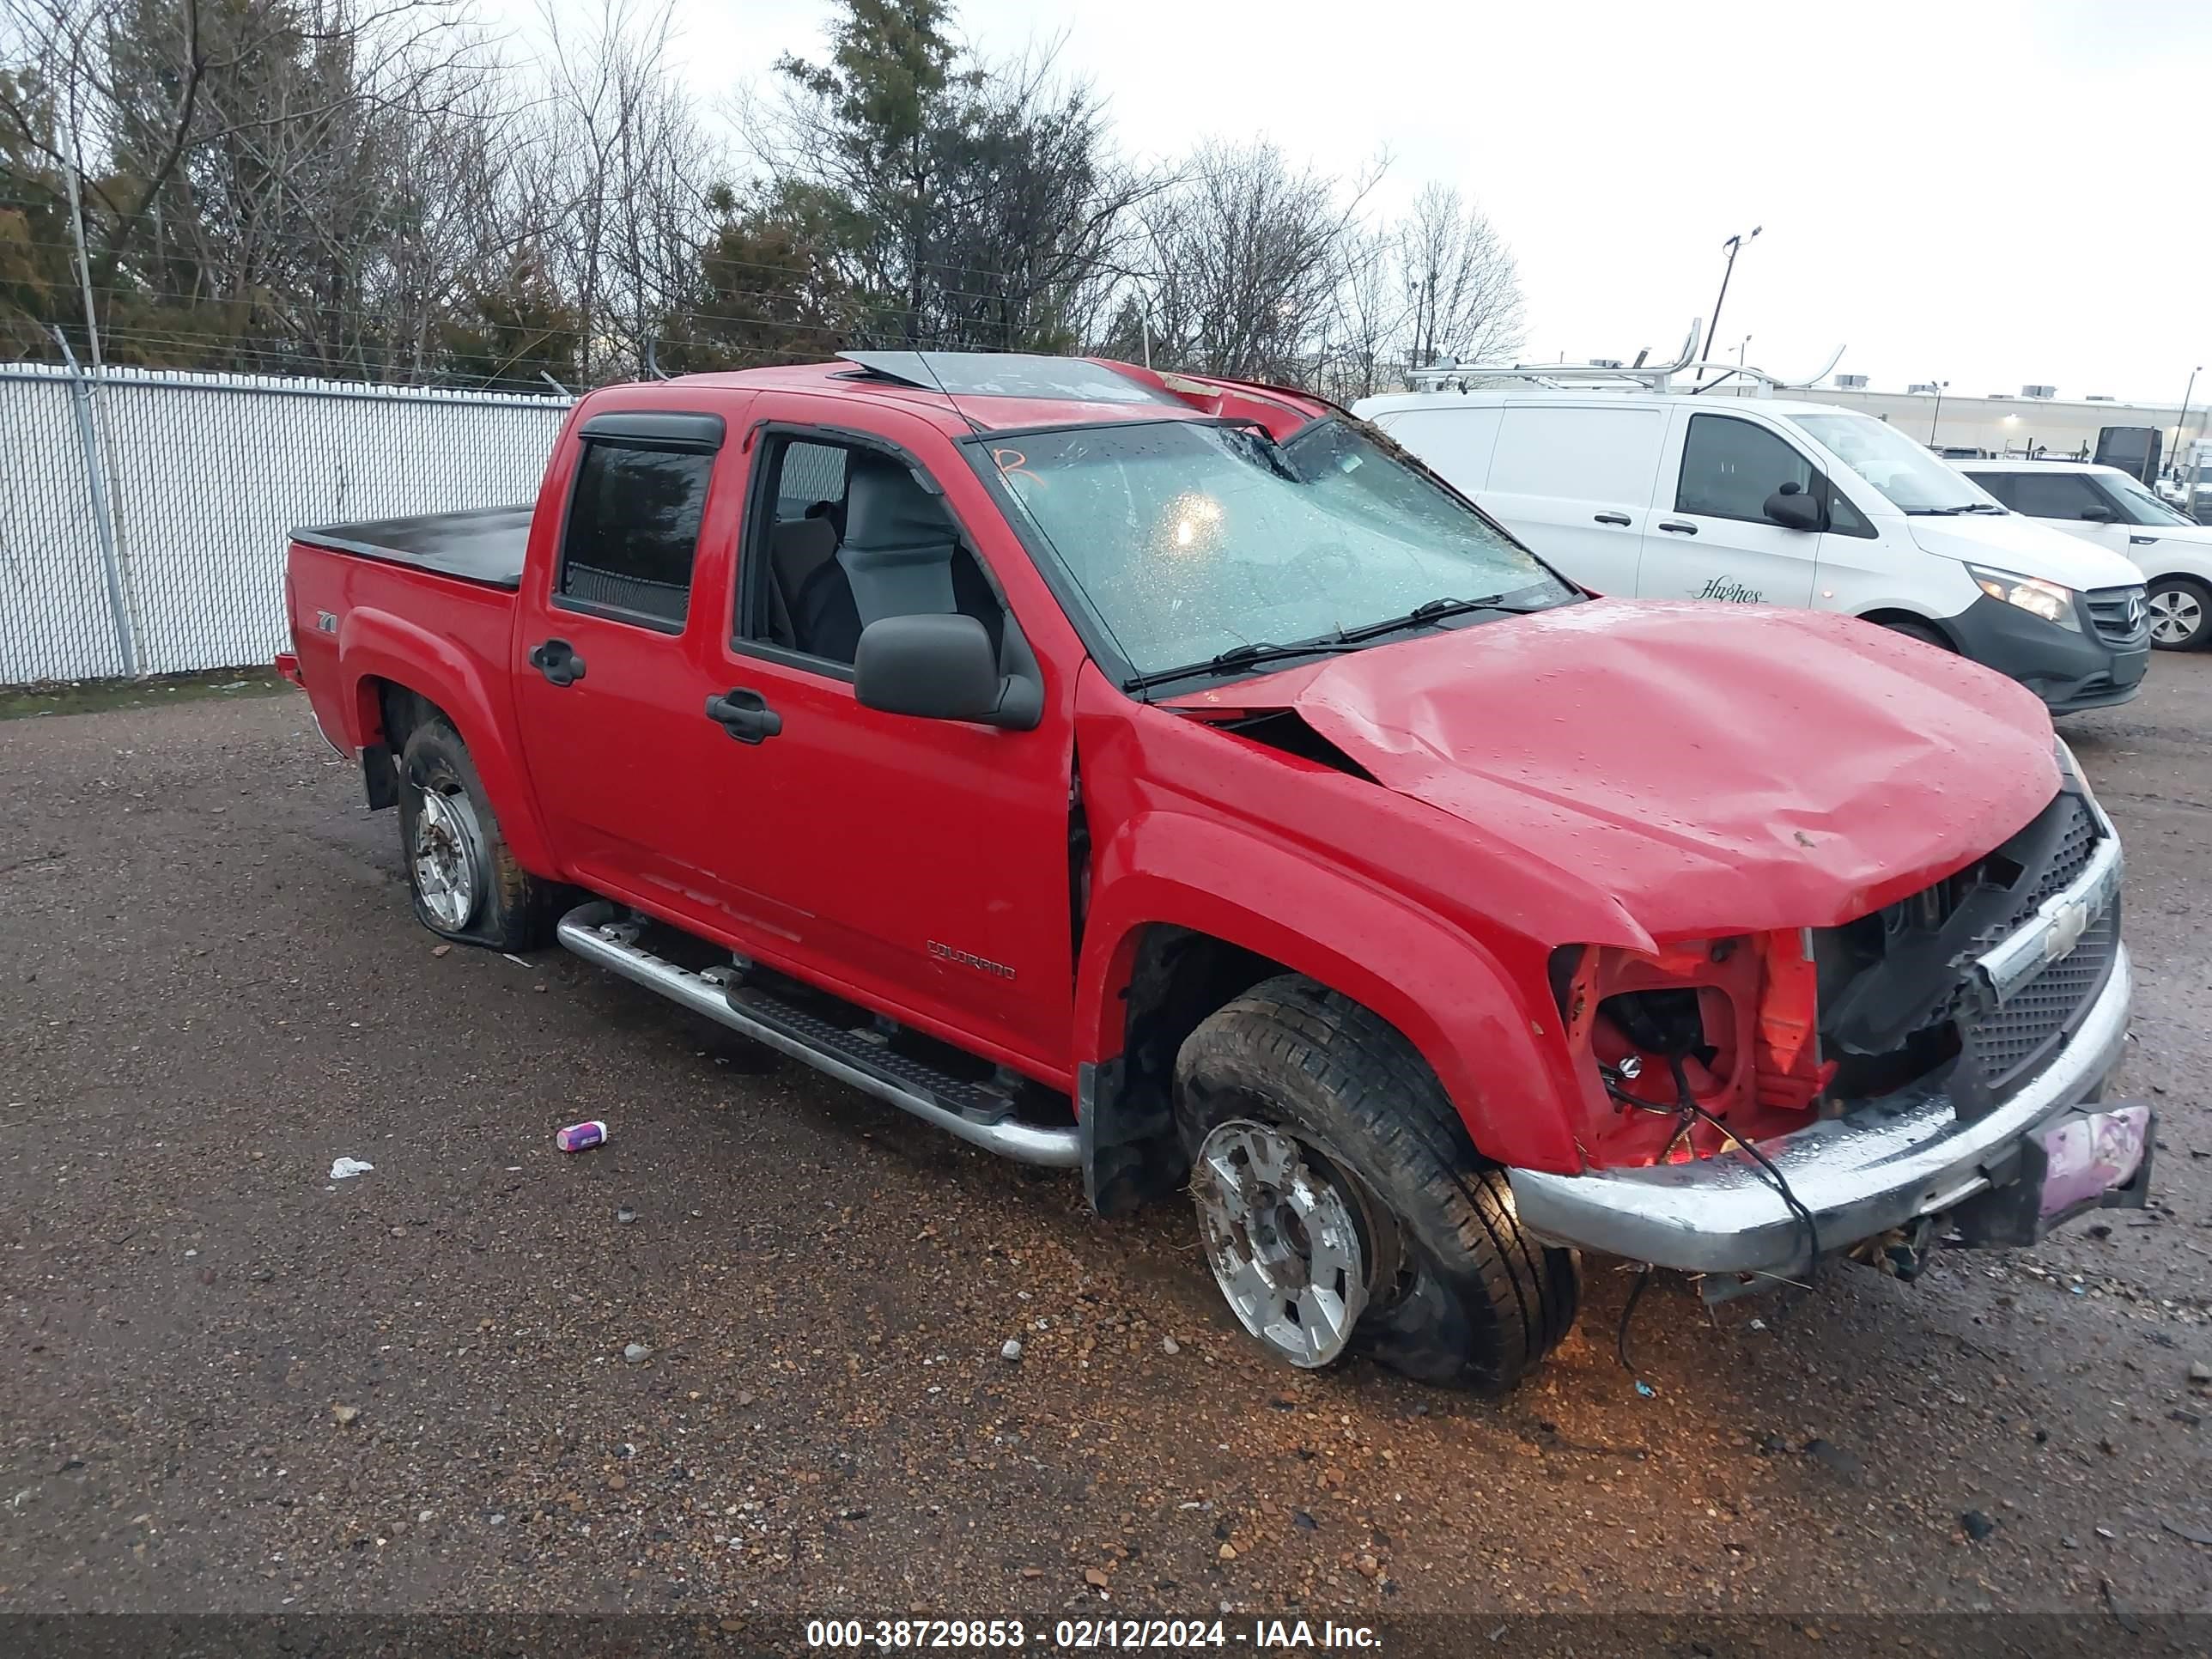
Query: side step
597	933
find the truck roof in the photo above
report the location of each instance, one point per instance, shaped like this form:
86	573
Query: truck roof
1004	392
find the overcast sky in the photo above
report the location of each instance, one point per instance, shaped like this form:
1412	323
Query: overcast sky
1988	195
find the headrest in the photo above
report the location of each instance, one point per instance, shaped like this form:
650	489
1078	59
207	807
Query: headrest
885	508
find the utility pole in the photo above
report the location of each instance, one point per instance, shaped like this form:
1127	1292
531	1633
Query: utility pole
2181	426
83	264
100	451
1938	415
1734	246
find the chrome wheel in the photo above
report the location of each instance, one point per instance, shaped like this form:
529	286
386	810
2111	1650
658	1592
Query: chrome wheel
447	858
2177	616
1282	1238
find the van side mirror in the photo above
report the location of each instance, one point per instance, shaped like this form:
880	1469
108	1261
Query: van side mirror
941	667
1792	509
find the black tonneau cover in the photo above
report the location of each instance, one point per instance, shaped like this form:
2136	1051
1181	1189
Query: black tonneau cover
482	545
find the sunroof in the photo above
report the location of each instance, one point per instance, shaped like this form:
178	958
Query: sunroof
1006	374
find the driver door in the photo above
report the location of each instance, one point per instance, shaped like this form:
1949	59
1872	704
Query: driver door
1708	537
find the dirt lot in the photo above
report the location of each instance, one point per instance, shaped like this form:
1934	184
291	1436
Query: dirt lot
235	1385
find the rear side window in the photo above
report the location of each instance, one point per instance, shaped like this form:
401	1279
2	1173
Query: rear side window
1605	455
1729	467
633	532
2050	495
1999	484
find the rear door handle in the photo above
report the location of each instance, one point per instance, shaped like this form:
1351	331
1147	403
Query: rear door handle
1678	526
1612	518
557	660
744	715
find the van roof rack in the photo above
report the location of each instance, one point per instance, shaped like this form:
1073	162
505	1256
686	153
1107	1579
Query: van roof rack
1658	377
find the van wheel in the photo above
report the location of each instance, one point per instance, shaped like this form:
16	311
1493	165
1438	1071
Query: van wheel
1343	1207
2180	613
1920	631
464	880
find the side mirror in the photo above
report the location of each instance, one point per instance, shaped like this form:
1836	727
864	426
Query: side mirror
941	667
1792	509
2099	514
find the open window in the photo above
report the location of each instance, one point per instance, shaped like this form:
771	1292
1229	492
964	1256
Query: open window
845	534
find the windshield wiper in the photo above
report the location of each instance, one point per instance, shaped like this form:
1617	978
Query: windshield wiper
1436	610
1241	656
1349	639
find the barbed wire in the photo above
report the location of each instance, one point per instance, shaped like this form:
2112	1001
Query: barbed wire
704	253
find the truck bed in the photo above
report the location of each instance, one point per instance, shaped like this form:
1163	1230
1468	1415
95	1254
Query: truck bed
485	544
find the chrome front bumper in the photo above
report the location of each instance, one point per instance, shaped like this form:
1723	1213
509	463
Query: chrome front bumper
1859	1176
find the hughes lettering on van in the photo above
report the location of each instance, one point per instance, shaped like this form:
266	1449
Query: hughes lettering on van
1633	488
1161	778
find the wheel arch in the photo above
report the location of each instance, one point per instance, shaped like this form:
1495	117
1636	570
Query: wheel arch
1158	960
398	674
1884	616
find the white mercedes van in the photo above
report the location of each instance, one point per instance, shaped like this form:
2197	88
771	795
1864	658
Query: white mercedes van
2105	505
1755	499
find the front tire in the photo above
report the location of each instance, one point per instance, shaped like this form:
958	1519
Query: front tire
1342	1205
461	874
2180	613
1920	631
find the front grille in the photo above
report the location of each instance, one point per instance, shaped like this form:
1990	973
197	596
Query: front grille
2117	614
2009	1043
2076	844
2012	1041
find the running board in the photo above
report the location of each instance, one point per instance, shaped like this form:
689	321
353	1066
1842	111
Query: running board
599	933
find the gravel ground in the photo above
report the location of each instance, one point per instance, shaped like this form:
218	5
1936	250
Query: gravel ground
236	1385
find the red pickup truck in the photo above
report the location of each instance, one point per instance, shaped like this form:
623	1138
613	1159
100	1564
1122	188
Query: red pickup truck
1174	779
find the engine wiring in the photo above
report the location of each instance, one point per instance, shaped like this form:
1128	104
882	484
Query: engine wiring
1689	1114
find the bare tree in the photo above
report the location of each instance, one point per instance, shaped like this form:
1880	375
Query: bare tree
632	172
1242	260
205	134
1367	317
1462	290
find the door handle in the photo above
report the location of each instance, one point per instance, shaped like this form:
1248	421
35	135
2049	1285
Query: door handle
1612	518
744	715
557	660
1678	526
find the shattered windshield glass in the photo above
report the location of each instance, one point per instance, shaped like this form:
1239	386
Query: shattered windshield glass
1189	539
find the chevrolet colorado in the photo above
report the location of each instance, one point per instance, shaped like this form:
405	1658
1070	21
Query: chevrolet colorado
1172	779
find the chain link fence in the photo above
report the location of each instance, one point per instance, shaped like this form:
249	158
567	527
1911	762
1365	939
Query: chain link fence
144	515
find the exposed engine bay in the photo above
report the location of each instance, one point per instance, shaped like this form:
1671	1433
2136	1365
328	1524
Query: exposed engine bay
1755	1035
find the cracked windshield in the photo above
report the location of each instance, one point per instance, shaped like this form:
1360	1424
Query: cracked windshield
1191	540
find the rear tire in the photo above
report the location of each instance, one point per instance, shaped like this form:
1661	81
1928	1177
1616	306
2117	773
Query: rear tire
461	875
2180	613
1450	1290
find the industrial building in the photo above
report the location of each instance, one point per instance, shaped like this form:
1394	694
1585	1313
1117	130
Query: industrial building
2032	421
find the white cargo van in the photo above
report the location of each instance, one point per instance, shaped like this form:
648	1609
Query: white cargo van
1634	488
2105	505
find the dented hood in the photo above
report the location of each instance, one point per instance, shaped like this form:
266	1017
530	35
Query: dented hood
1714	768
